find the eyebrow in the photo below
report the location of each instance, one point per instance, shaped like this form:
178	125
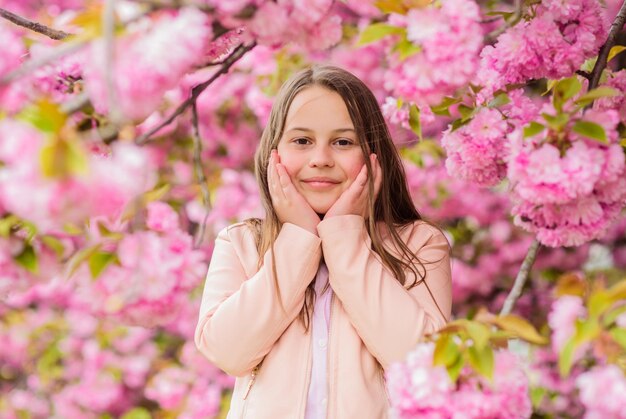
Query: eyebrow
338	130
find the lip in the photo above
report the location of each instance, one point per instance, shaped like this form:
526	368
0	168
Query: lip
320	182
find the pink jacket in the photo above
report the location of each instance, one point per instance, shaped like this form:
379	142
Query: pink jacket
374	320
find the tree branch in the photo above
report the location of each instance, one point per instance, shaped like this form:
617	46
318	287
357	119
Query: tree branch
237	53
33	26
198	168
520	279
517	15
601	62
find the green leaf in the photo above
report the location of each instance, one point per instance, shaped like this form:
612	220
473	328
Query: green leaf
391	6
28	259
414	121
599	301
377	31
466	112
6	224
533	129
520	327
590	96
458	123
537	394
482	360
586	330
81	256
614	51
98	261
61	157
443	109
406	48
556	122
566	358
45	116
446	351
479	333
590	130
500	100
454	370
55	244
565	89
137	413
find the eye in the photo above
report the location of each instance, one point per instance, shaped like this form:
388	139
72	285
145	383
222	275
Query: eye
301	141
344	142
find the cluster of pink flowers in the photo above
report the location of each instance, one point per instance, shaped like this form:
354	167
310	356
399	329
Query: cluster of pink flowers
311	24
568	196
476	151
418	389
152	281
110	182
148	62
235	200
602	392
554	43
450	38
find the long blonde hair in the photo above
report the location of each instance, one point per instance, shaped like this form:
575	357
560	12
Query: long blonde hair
393	205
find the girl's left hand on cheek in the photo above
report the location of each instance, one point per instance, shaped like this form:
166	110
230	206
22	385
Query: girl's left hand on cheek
354	199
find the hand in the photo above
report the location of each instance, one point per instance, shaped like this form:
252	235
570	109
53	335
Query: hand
354	199
289	204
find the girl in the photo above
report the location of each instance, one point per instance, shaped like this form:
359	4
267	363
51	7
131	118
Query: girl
309	306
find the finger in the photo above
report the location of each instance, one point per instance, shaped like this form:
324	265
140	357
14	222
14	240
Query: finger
358	185
378	175
284	179
275	186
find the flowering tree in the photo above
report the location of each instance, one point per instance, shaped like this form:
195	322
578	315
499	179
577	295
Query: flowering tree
127	131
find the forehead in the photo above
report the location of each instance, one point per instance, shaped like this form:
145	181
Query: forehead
318	108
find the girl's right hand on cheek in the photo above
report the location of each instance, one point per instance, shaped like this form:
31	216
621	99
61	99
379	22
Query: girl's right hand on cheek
289	204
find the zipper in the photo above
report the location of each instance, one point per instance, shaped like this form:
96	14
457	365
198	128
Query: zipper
251	382
330	379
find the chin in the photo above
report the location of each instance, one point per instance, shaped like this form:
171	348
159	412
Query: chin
321	208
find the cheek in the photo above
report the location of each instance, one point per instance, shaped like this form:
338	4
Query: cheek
291	162
353	167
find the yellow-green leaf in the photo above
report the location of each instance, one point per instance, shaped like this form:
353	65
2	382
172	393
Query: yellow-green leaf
446	351
556	122
454	370
564	90
533	129
45	116
137	413
62	157
414	121
500	99
6	224
615	51
28	259
391	6
566	358
482	360
377	31
602	91
590	130
406	48
570	284
98	261
520	327
443	108
55	244
586	330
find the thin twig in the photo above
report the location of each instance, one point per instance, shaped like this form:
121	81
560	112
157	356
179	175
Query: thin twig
517	15
601	62
108	35
198	168
197	90
34	63
521	278
33	26
584	74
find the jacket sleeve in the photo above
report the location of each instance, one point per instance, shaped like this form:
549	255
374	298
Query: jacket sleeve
240	317
389	318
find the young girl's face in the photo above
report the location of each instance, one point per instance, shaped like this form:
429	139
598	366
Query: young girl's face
319	147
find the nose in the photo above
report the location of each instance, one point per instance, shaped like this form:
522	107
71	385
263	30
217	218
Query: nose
321	155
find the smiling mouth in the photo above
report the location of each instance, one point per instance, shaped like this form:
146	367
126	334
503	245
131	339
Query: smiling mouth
320	183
